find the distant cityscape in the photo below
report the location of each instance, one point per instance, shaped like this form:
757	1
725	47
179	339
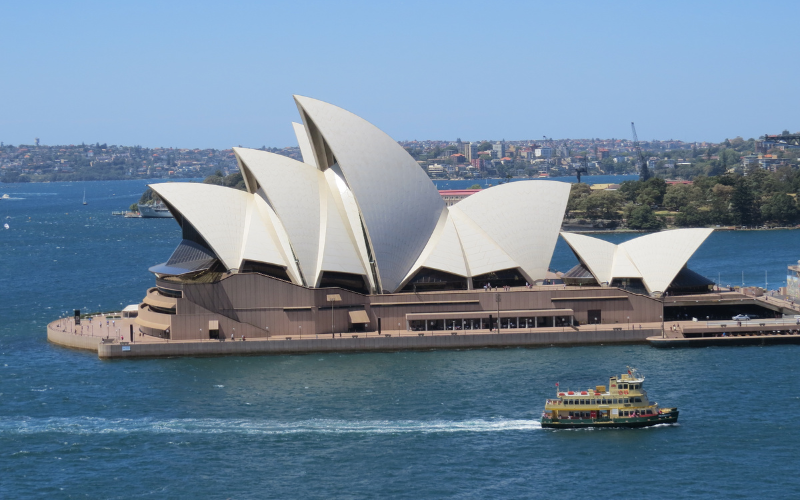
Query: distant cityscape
440	159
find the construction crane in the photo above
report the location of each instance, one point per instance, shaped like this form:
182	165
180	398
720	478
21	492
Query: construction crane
644	172
581	169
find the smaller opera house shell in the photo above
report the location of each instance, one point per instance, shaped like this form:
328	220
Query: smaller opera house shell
353	238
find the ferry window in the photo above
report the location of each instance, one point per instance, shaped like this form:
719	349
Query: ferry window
638	400
625	400
614	401
624	386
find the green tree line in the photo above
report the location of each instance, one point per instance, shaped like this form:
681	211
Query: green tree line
752	198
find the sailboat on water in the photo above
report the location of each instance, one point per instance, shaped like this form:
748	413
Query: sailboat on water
84	197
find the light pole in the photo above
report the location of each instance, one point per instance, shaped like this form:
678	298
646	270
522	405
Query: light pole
497	299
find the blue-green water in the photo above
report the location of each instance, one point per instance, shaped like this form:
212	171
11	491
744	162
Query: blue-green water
434	424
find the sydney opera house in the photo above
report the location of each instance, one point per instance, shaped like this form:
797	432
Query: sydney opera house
357	238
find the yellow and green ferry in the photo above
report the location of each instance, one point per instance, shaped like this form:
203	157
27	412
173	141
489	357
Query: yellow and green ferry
624	404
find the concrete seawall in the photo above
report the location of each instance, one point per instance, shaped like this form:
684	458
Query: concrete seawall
72	340
372	344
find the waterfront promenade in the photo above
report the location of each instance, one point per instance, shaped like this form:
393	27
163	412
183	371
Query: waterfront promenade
110	338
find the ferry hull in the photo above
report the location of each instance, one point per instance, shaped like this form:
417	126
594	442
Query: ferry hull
664	418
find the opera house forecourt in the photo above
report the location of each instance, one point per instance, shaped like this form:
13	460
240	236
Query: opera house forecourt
354	249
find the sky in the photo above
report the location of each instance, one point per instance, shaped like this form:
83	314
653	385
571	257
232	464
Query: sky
220	74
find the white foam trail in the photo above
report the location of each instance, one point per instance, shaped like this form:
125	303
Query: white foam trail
93	425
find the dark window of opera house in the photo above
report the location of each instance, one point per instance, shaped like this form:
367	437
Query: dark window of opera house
432	280
348	281
166	292
633	285
507	277
251	266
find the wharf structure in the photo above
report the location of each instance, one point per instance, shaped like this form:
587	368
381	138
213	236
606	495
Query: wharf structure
356	238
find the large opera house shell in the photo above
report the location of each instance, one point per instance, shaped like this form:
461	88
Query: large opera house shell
360	214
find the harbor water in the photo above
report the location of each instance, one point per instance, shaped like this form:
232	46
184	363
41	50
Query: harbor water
437	424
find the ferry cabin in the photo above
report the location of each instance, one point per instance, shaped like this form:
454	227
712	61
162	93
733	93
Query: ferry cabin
624	399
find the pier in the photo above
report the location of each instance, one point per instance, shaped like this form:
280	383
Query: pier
755	331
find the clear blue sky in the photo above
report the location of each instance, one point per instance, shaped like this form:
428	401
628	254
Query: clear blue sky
221	74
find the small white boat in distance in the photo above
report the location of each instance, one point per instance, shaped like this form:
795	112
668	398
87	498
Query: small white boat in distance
157	211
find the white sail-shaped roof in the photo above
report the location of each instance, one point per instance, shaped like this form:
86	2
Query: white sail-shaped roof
482	254
660	256
339	252
596	254
301	197
359	204
216	212
523	218
260	241
346	203
397	202
278	234
443	252
304	143
655	258
224	217
293	191
623	266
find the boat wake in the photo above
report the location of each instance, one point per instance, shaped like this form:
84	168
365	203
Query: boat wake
93	425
